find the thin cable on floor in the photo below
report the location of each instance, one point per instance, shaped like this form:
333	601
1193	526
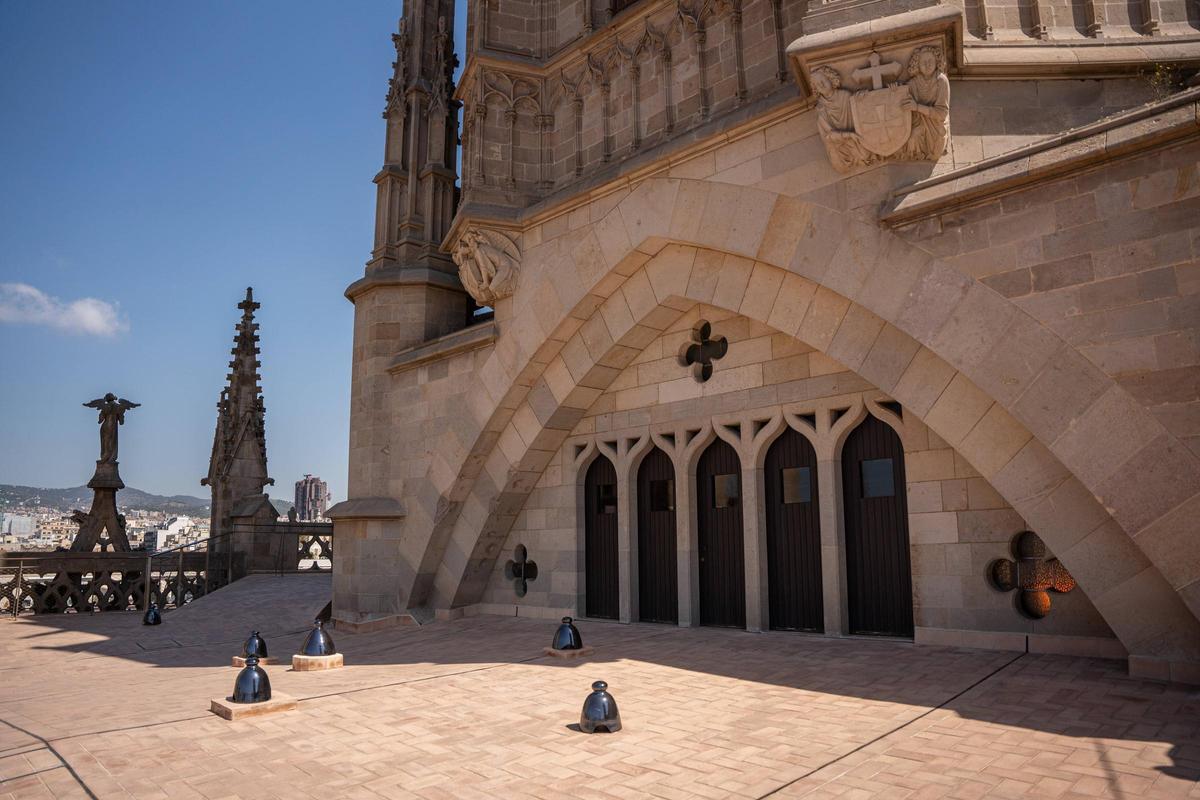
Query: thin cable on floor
66	764
897	729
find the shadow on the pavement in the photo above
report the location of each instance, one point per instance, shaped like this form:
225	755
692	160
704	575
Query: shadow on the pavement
1038	694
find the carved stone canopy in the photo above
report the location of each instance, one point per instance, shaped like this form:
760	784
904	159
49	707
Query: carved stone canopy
881	89
488	264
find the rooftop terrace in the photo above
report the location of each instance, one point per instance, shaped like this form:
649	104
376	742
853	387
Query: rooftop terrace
100	706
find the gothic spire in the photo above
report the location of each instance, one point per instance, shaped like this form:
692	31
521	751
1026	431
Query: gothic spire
238	465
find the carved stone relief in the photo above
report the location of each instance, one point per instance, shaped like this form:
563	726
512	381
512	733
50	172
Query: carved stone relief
488	263
905	120
885	95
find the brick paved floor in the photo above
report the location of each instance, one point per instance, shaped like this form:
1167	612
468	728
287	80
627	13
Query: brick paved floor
471	709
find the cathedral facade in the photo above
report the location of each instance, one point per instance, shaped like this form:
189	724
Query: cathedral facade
854	317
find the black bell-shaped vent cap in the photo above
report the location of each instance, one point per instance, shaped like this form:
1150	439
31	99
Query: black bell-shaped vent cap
255	646
600	711
318	642
152	617
252	684
567	636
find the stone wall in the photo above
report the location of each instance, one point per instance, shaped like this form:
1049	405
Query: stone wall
958	523
1110	262
593	100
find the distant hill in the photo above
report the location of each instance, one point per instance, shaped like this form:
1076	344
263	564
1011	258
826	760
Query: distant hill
66	500
81	497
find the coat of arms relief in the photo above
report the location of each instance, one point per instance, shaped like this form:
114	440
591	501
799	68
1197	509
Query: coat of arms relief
880	89
899	111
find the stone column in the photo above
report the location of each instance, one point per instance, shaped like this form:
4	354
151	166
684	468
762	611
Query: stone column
627	566
688	563
833	546
754	545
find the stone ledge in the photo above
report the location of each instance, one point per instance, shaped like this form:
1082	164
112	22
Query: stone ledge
367	508
1090	59
316	663
403	276
376	624
465	340
1018	641
1161	669
1170	121
225	708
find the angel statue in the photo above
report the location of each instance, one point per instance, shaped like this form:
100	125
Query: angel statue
112	413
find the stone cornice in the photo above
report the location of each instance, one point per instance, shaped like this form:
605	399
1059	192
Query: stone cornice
367	508
1083	59
876	33
1170	121
465	340
403	276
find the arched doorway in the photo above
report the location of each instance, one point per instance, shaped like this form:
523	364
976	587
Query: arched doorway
793	535
878	571
658	579
601	592
719	537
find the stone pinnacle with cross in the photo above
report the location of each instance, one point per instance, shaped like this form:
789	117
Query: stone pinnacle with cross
876	72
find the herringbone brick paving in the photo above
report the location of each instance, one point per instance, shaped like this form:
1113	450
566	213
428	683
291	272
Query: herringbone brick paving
471	709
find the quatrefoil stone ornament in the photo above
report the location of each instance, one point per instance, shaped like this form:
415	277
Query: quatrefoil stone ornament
703	350
1031	575
520	570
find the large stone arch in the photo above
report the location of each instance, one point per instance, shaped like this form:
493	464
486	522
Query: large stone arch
980	372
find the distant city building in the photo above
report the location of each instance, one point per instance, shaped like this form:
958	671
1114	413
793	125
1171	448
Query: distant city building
21	525
312	497
176	531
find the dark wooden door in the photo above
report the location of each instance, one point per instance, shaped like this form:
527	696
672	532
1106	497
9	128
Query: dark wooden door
600	540
793	535
658	581
719	514
879	576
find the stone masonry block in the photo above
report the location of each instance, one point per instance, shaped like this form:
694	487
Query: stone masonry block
994	441
822	319
855	335
762	291
788	223
958	410
795	295
670	270
732	282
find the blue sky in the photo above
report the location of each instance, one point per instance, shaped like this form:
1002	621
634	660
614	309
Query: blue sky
157	158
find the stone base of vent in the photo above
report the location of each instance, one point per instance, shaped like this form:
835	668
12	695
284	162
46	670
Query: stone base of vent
583	652
314	663
225	708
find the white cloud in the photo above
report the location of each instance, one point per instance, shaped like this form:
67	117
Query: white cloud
21	303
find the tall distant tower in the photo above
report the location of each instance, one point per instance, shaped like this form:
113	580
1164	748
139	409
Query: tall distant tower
312	496
237	470
410	292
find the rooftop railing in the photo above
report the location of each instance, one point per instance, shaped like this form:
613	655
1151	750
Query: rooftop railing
70	582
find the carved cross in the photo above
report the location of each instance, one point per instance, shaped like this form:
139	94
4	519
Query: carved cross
876	72
1032	575
703	350
520	570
